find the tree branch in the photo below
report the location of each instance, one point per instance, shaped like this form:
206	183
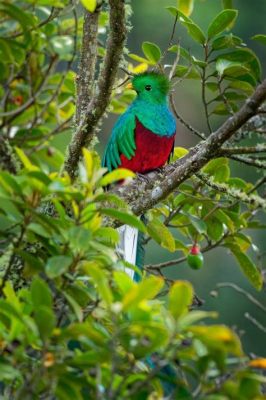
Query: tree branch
143	195
97	106
227	151
86	69
186	124
8	160
249	161
248	198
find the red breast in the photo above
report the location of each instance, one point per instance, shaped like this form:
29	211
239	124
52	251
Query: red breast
152	150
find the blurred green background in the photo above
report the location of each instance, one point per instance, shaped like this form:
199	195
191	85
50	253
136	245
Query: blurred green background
151	22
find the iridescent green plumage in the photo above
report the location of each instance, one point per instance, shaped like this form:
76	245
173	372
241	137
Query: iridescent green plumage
150	108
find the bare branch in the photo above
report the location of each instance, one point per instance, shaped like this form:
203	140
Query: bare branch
243	292
186	124
97	106
255	322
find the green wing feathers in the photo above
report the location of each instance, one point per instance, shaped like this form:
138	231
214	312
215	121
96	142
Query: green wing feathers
122	141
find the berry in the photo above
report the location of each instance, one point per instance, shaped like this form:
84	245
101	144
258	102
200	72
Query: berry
195	257
18	100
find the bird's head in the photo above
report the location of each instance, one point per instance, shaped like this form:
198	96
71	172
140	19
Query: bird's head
152	87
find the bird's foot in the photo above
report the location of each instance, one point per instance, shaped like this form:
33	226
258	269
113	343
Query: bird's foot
159	169
143	177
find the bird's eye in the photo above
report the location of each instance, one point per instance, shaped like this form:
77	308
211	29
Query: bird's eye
148	87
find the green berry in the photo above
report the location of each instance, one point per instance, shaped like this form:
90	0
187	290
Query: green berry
195	258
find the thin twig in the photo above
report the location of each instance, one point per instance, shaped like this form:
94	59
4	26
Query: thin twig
259	148
255	322
186	124
243	292
240	195
15	112
249	161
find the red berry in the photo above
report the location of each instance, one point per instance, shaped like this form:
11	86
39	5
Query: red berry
18	100
195	249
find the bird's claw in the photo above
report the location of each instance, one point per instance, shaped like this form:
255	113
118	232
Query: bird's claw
143	177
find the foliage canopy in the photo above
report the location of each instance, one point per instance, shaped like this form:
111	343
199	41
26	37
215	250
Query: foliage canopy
72	323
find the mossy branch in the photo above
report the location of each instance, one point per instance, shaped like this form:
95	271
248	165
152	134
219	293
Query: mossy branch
89	118
86	69
8	160
143	195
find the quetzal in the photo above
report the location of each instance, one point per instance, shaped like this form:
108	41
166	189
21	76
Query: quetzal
141	141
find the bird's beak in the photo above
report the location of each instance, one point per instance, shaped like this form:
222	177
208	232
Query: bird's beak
129	86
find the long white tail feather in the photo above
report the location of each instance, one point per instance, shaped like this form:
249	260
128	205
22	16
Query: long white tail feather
127	246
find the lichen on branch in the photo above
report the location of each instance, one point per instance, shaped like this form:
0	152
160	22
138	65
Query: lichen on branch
143	195
88	117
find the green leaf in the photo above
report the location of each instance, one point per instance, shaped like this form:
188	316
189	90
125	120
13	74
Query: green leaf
226	41
227	4
79	239
107	234
247	266
9	373
194	30
179	152
62	45
198	224
39	230
218	168
186	6
45	321
88	161
99	278
195	316
17	13
90	5
139	59
41	294
241	85
218	337
173	10
25	160
247	58
260	38
123	281
116	175
180	298
173	49
57	265
212	86
230	68
151	51
147	289
75	306
161	234
185	72
221	22
5	51
215	228
124	217
224	219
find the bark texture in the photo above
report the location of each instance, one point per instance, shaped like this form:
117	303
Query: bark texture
142	195
89	118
